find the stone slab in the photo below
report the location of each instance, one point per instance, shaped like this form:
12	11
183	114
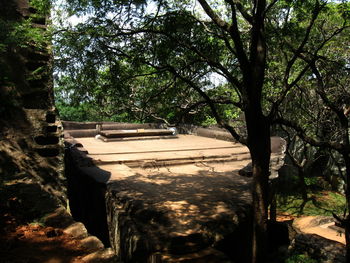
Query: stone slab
135	133
185	146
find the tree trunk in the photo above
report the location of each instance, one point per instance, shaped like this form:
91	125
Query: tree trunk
346	222
259	145
302	183
273	201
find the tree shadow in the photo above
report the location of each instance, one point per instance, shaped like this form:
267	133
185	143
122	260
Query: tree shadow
203	209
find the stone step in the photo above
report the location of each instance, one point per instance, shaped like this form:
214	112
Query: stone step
208	255
176	161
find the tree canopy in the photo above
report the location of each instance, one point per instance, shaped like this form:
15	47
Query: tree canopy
274	62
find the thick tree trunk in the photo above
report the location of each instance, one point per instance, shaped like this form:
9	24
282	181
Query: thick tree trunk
259	146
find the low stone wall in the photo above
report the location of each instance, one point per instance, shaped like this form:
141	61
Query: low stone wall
91	129
211	132
86	195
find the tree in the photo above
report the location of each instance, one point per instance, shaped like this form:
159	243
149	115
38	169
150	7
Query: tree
257	47
328	89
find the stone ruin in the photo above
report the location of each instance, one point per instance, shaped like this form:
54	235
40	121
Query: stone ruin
31	144
157	197
160	198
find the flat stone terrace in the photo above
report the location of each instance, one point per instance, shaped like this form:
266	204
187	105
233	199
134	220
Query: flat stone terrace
177	199
177	150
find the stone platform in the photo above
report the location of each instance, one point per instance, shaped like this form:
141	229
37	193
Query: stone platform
172	200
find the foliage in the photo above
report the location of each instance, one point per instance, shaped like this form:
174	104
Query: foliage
172	37
17	33
321	203
179	103
300	258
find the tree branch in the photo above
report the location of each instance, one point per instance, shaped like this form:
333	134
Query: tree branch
298	51
241	9
211	104
314	142
214	17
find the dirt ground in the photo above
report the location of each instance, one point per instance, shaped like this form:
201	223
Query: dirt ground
22	242
35	243
25	237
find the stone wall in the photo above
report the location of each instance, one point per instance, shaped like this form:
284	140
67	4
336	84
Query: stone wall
90	129
31	147
86	195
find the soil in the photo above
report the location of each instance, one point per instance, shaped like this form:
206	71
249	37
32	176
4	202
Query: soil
35	243
22	242
28	192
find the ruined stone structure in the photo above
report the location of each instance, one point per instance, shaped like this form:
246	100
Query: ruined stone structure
160	198
31	147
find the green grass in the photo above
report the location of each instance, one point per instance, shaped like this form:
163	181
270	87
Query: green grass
320	203
300	258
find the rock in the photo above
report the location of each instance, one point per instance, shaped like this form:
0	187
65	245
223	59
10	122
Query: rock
77	230
278	148
203	256
323	249
92	243
101	256
59	218
53	232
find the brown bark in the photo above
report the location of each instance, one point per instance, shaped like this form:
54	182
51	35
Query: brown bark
258	128
259	145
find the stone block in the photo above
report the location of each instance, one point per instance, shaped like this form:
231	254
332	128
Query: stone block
77	230
91	243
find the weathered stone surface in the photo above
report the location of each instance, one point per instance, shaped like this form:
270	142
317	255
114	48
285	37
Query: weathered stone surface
101	256
135	133
203	256
212	133
278	148
322	225
92	243
26	99
59	218
325	250
182	214
77	230
92	127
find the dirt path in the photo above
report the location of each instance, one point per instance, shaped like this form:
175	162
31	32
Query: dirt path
309	225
